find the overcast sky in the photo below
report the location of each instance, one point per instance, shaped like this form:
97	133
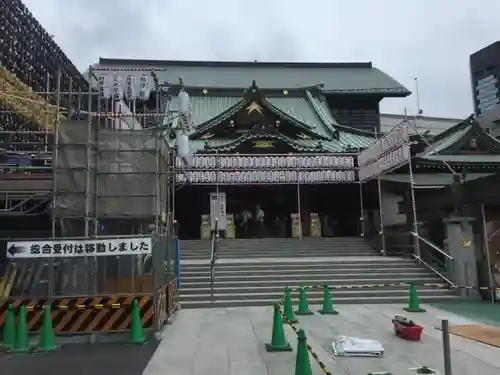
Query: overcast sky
431	39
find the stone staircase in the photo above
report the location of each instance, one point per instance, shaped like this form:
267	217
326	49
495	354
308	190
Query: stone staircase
255	272
277	247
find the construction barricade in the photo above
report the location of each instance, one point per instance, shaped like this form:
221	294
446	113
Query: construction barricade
151	285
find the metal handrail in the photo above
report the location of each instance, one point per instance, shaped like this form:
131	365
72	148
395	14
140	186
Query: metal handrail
213	254
435	271
446	255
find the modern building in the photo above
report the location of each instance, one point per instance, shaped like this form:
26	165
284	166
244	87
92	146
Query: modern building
485	75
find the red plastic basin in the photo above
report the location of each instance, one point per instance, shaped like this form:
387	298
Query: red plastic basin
408	332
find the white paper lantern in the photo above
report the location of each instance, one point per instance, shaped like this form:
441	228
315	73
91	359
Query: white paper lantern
117	88
144	88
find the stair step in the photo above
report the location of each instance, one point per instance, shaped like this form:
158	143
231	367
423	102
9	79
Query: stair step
318	290
314	304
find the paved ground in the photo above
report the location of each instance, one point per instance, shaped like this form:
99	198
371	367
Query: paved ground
231	342
476	310
81	359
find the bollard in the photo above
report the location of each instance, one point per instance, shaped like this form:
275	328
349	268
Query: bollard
9	329
288	307
302	362
446	347
22	344
413	302
327	308
303	305
47	341
136	333
278	339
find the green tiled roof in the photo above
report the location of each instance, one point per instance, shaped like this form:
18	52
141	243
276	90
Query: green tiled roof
301	110
446	146
334	77
206	108
448	138
343	144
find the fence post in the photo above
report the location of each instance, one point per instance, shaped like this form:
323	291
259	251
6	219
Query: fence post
178	262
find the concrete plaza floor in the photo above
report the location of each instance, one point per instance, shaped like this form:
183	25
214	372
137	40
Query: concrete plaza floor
230	341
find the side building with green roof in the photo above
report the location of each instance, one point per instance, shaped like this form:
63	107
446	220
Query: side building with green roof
280	136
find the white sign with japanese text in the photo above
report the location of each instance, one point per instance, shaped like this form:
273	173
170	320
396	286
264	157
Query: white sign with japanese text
79	248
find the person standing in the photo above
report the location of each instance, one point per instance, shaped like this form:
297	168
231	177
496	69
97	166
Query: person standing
259	218
245	218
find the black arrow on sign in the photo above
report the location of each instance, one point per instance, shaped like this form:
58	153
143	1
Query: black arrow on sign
13	250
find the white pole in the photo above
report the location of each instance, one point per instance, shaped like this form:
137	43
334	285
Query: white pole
381	213
487	250
298	201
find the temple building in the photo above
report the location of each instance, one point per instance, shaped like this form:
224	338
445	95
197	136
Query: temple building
279	137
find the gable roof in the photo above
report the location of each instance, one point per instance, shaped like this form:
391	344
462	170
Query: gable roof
446	146
305	108
349	78
452	139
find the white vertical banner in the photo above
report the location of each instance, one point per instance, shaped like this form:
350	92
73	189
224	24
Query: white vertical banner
218	210
117	88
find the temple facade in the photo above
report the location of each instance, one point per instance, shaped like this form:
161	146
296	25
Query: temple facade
276	138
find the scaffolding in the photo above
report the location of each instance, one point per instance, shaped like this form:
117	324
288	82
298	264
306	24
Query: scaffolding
102	180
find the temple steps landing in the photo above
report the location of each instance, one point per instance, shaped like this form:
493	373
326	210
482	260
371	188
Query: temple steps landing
254	272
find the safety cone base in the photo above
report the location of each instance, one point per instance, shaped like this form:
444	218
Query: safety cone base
333	312
273	348
139	341
20	350
46	349
414	309
298	312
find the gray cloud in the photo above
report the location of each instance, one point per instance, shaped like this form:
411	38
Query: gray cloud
428	39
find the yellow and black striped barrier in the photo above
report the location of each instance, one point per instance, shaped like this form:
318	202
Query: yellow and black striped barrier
405	284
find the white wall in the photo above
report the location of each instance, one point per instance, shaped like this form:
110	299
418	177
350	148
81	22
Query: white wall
390	209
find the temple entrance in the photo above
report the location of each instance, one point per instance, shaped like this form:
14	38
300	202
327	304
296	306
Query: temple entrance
262	211
336	208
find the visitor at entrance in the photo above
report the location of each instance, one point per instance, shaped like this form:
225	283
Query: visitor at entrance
259	218
245	217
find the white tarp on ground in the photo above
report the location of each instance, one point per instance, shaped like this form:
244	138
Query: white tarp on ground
356	347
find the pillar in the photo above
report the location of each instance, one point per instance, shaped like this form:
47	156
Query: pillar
461	245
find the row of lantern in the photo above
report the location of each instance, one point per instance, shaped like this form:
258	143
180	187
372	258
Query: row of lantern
397	137
131	88
245	162
393	159
269	177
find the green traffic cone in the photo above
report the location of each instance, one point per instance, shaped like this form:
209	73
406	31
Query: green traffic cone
136	334
302	363
327	308
413	303
47	341
22	343
278	339
303	305
9	329
288	307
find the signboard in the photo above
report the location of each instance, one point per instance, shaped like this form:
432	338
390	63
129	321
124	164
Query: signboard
218	210
389	152
396	138
392	160
79	248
